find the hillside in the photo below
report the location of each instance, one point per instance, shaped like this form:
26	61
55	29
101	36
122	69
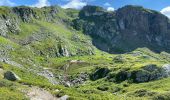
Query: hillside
87	54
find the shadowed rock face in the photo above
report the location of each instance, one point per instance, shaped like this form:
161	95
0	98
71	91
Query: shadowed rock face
126	29
145	74
148	73
99	73
141	27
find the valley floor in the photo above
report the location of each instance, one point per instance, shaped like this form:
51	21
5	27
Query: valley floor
101	76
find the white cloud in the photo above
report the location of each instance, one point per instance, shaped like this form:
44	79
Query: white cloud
166	11
110	9
107	4
77	4
41	3
6	3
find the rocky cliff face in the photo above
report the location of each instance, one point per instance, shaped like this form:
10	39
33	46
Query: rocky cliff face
126	29
27	13
45	31
8	24
141	27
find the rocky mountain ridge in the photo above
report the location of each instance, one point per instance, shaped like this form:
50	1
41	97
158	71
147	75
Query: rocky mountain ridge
133	26
125	29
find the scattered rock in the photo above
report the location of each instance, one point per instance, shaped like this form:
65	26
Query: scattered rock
73	81
9	75
49	75
80	79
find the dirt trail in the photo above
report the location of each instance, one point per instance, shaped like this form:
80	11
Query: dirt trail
36	93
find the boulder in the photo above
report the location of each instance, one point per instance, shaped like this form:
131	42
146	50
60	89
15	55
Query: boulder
65	97
148	73
99	73
141	76
150	67
9	75
145	74
166	68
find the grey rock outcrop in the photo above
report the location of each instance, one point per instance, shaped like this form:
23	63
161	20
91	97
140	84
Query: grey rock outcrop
145	74
8	25
48	75
149	73
166	68
99	73
80	79
125	29
29	13
3	28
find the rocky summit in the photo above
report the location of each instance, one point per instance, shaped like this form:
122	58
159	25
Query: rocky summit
51	53
126	29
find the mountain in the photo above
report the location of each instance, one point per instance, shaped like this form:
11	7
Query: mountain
88	54
125	29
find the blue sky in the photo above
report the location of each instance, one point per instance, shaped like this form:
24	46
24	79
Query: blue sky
159	5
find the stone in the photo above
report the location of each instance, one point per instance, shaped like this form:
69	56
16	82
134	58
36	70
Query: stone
66	84
80	79
62	51
148	73
9	75
49	75
166	68
150	67
65	97
99	73
142	76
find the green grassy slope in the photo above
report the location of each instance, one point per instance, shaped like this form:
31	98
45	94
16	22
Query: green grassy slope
44	44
